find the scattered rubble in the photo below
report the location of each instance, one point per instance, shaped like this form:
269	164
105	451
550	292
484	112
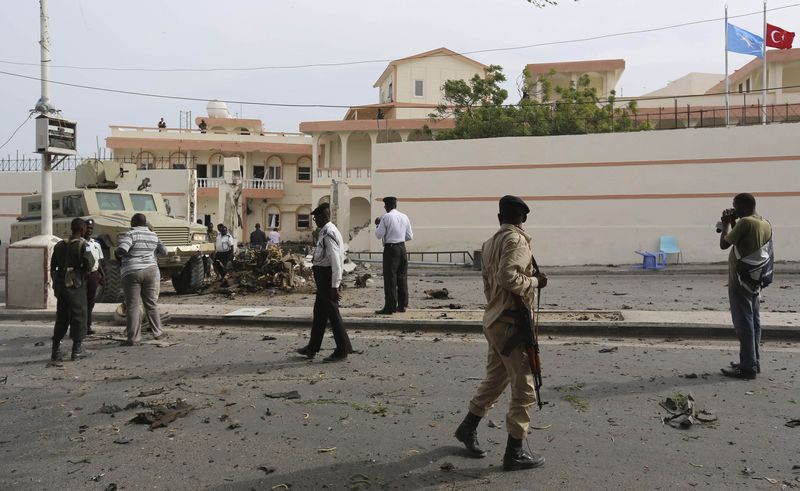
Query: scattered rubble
438	294
292	394
162	415
683	413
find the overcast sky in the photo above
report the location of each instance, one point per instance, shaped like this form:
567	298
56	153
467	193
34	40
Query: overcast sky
248	33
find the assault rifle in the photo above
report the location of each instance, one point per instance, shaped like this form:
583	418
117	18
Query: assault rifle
527	336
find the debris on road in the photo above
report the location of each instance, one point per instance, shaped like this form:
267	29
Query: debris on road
162	415
266	469
447	466
326	450
364	280
151	392
438	294
578	404
793	423
683	413
292	394
123	440
608	350
109	409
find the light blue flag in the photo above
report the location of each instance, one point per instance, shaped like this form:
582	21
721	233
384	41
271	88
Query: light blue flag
744	42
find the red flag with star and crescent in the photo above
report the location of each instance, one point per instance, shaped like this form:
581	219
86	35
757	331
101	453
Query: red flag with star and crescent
779	38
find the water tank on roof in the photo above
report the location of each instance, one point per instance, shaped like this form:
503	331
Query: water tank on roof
217	109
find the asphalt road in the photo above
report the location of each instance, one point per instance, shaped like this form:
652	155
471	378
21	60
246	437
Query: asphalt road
568	289
384	419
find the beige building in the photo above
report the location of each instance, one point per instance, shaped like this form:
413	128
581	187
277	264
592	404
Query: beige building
276	168
409	89
603	75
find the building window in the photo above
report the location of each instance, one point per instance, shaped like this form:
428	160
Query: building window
274	220
303	222
274	172
747	85
304	174
258	172
217	171
419	88
741	88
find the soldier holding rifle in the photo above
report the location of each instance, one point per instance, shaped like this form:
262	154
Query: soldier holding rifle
510	283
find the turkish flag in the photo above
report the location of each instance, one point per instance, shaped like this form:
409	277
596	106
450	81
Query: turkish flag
779	38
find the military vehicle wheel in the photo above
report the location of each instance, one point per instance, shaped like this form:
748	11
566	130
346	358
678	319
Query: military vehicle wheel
191	277
111	292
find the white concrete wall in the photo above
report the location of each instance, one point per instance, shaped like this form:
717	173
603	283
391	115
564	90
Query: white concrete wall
596	198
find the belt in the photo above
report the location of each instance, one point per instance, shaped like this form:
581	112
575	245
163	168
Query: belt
394	244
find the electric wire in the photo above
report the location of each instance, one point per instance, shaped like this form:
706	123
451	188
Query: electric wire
16	130
353	106
364	62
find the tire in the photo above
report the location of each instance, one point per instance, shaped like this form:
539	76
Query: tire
191	277
111	292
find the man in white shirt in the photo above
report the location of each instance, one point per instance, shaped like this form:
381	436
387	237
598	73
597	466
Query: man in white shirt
274	237
224	250
96	274
328	264
394	229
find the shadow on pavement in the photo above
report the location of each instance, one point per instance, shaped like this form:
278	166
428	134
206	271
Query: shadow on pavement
414	472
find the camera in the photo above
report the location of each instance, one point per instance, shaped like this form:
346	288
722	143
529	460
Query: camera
728	214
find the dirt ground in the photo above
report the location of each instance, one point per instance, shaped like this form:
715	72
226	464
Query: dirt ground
615	288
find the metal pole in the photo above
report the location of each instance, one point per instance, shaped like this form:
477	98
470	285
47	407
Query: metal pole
727	81
764	69
44	107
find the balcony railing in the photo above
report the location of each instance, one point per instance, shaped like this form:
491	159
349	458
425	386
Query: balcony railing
214	182
334	173
263	184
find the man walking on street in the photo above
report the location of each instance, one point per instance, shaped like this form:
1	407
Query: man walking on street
225	245
69	267
96	275
394	229
258	238
508	277
137	251
749	262
328	264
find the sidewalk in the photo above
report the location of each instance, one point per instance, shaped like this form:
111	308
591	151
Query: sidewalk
624	323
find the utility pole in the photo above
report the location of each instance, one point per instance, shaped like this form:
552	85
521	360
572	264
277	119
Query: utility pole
44	107
54	136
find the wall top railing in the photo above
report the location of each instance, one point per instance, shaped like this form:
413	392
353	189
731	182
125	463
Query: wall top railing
215	182
150	131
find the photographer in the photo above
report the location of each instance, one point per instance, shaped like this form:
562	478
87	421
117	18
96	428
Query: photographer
749	261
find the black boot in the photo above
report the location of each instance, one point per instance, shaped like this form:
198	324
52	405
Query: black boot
56	356
517	458
79	352
467	433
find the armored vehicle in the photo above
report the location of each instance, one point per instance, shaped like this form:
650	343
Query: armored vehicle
97	197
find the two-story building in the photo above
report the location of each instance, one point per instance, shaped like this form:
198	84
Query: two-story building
409	90
275	167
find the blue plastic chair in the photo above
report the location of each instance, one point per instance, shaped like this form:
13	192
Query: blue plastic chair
669	245
652	260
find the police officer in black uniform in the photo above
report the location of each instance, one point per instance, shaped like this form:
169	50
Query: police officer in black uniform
70	265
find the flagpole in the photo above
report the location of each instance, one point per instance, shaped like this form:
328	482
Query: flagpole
727	82
764	73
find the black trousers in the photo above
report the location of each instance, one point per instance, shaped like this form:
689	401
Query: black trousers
91	292
70	314
395	276
327	309
221	260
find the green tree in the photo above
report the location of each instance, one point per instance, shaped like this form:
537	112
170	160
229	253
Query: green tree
479	109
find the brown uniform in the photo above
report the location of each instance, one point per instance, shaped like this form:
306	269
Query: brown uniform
507	271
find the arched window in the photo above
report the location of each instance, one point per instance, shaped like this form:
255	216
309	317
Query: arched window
145	160
273	217
178	160
274	168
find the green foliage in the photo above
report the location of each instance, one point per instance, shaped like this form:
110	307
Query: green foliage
479	109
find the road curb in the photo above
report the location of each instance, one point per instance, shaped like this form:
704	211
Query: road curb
588	328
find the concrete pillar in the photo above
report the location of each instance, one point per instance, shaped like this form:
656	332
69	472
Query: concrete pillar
344	137
328	155
314	156
340	207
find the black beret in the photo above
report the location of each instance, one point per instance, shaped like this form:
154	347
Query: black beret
321	208
390	200
509	202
